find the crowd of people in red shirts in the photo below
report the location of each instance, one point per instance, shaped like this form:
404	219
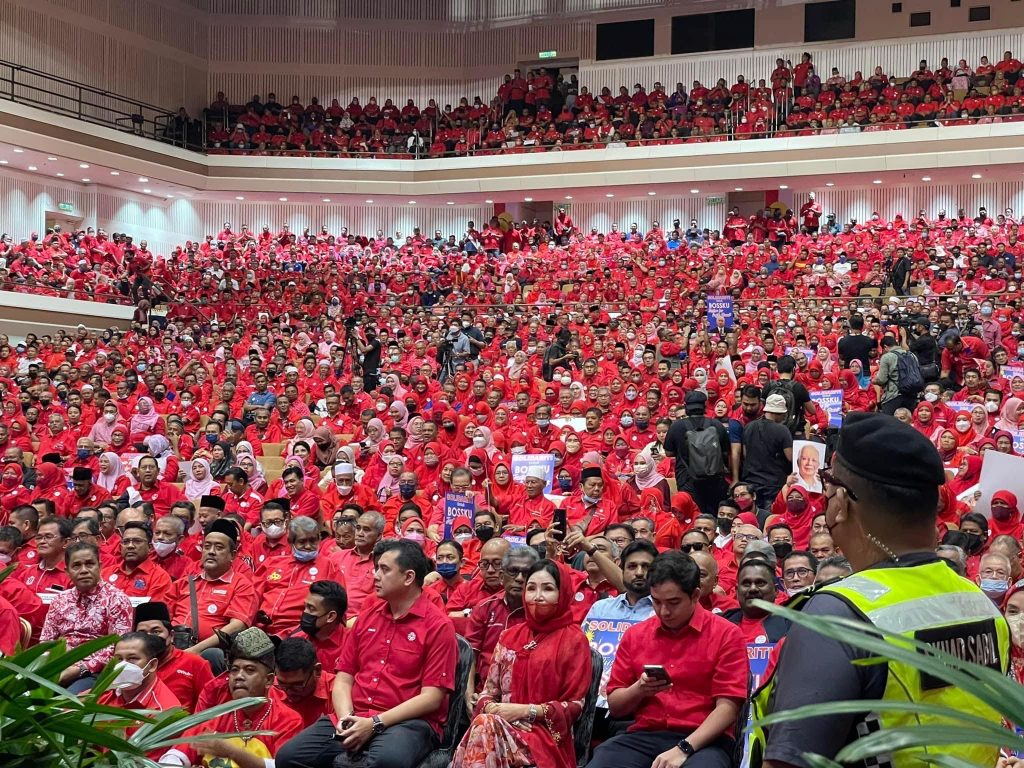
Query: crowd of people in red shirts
539	112
309	399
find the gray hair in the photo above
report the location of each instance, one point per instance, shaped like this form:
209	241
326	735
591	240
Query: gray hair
302	524
956	555
519	552
838	561
177	523
376	520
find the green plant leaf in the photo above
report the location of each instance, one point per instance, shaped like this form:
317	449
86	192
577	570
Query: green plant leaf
917	735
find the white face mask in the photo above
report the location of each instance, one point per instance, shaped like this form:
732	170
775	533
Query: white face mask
109	417
164	548
518	450
931	397
274	532
129	675
479	441
991	407
962	426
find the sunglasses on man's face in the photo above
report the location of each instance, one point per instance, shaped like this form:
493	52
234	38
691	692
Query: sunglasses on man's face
696	547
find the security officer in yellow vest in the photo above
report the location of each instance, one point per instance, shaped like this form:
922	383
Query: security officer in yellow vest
881	495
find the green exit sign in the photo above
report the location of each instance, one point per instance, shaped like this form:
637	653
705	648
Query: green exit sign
715	200
547	54
66	207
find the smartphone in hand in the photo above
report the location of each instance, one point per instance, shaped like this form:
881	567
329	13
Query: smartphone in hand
657	672
560	521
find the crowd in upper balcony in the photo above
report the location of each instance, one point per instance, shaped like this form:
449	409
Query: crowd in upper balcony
542	111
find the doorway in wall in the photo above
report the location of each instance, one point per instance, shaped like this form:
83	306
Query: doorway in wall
65	221
566	67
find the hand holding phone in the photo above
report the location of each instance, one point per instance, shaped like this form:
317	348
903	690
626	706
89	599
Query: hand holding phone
560	522
654	680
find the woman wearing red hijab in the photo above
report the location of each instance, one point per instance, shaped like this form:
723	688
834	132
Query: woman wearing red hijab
51	484
1005	520
536	685
502	492
967	476
923	420
12	492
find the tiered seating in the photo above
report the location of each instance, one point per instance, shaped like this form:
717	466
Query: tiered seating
537	113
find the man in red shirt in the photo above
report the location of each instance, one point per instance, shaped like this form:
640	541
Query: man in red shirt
86	493
185	674
323	621
136	573
486	583
286	578
357	563
158	493
49	573
239	498
142	688
490	617
394	678
302	683
691	707
225	596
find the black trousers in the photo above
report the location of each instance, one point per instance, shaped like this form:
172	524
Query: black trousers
400	746
638	750
900	401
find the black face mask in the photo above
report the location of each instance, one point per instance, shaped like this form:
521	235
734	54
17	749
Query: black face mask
782	549
307	623
974	543
725	525
484	532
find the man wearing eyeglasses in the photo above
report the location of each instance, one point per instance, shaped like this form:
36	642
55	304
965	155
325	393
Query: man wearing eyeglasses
49	573
301	681
798	571
489	618
880	500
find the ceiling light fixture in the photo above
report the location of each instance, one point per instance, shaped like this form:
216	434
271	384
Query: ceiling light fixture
926	178
19	151
652	193
450	202
80	165
609	194
51	158
60	174
412	202
527	199
694	191
283	199
327	200
115	173
86	180
783	186
975	175
33	168
143	179
147	191
829	184
239	197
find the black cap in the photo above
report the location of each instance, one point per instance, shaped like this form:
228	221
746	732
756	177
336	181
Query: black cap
81	473
53	458
590	471
226	527
881	448
214	502
154	611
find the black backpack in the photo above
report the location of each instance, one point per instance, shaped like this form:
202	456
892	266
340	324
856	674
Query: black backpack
704	451
784	387
908	373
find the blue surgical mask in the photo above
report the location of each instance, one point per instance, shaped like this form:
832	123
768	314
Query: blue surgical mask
83	453
590	499
565	483
447	570
994	588
542	423
626	421
303	556
211	439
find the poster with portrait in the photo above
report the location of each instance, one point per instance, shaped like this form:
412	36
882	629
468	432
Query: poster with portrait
808	458
720	313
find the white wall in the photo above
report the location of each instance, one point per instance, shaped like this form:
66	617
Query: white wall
24	203
888	201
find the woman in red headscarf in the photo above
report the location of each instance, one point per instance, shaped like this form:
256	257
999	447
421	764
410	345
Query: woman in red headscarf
51	484
502	492
923	420
536	685
967	476
12	492
1005	519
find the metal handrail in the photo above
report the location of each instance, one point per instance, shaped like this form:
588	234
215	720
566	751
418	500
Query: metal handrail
62	96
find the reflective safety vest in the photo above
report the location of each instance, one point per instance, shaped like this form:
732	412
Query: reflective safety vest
931	604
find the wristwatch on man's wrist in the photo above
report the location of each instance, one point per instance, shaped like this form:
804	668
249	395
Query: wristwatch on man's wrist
685	748
378	726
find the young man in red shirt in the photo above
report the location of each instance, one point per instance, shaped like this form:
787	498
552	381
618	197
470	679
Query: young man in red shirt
689	713
394	677
185	674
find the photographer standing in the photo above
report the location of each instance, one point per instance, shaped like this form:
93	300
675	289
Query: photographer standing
558	354
916	337
370	350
